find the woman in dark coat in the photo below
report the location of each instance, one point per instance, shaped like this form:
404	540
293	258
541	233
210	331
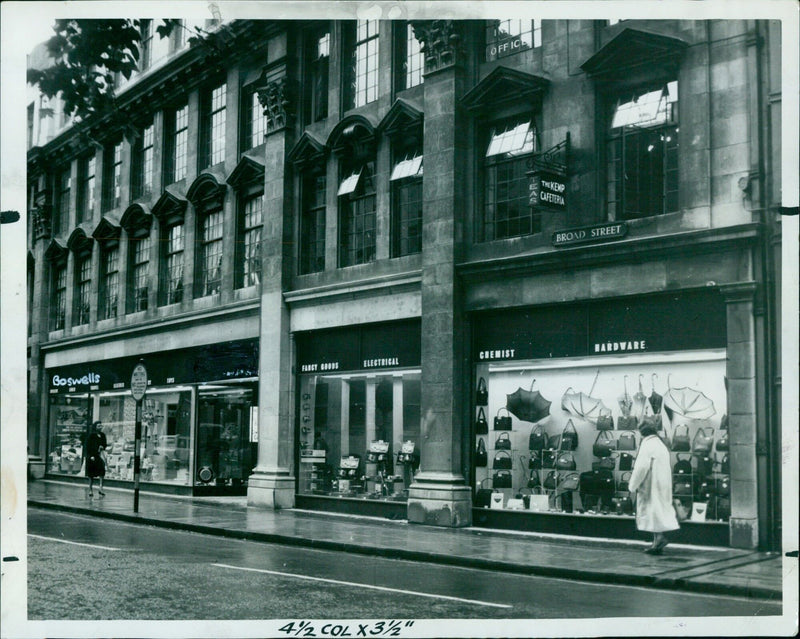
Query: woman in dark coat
95	456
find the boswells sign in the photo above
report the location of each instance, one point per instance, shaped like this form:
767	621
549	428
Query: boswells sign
90	379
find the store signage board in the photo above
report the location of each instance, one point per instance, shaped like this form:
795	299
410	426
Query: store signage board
138	382
597	233
547	189
507	46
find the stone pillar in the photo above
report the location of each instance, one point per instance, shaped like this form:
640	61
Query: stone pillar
439	495
742	435
272	483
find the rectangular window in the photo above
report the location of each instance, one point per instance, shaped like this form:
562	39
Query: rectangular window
255	121
112	179
410	59
139	273
83	285
172	270
110	290
61	219
361	56
177	37
406	180
86	204
211	253
312	224
357	217
146	45
177	138
59	312
213	128
506	189
642	154
143	163
253	209
507	37
317	54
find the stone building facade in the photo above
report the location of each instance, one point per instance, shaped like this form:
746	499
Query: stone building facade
341	244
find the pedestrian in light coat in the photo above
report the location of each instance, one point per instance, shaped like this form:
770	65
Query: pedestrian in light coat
651	480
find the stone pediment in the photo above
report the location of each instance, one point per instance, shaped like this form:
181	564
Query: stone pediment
504	85
249	170
308	150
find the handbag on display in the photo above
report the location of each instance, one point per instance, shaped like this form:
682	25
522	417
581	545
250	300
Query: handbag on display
607	463
627	422
622	485
501	479
626	461
481	425
496	502
503	442
502	422
703	442
621	505
483	496
502	460
534	482
481	456
682	466
722	507
481	394
566	461
535	460
722	442
569	437
705	465
626	441
604	444
549	456
704	489
680	441
725	465
586	482
538	438
722	486
605	421
551	480
723	423
681	510
571	481
682	486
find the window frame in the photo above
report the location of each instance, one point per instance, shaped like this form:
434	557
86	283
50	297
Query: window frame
213	132
143	166
405	156
209	286
172	259
139	270
351	215
64	193
112	176
409	65
355	94
87	191
109	281
176	143
58	313
83	289
254	122
316	73
313	219
248	260
535	37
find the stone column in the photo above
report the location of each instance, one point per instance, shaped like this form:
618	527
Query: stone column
272	483
742	434
439	495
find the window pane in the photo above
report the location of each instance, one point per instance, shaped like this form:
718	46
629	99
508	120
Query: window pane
415	59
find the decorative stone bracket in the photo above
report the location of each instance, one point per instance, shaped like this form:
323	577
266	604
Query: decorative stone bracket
441	42
276	95
41	216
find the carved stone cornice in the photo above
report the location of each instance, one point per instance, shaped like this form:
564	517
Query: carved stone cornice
277	96
42	218
441	42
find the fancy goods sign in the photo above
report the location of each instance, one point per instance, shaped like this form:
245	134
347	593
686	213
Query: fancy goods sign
598	233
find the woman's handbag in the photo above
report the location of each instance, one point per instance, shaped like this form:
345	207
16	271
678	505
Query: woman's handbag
682	466
722	442
725	465
627	422
503	442
551	480
705	465
704	489
680	441
622	485
626	461
502	460
621	505
566	461
481	425
604	444
535	460
534	483
538	438
501	479
722	507
605	421
483	496
626	441
481	457
549	457
703	442
682	486
722	486
570	482
607	463
586	482
569	437
482	394
504	422
723	423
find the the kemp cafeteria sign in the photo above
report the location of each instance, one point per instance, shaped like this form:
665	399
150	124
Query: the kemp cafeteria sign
547	189
597	233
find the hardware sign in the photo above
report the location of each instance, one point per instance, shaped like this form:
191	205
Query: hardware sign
597	233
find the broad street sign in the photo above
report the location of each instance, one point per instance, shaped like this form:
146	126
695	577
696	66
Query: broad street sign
138	382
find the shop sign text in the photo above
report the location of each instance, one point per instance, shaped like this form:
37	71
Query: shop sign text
381	362
504	353
599	233
507	46
547	189
620	347
316	367
89	378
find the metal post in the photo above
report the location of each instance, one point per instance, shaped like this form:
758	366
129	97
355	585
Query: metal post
136	455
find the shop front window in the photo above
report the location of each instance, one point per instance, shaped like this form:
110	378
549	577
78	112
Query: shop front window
166	435
570	430
225	454
359	434
69	422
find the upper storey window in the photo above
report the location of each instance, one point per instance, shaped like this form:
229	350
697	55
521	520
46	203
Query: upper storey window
212	130
112	178
177	139
86	204
64	186
507	37
315	83
642	152
255	122
361	63
409	56
143	163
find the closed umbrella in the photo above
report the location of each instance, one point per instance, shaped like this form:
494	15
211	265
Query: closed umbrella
583	405
528	405
656	400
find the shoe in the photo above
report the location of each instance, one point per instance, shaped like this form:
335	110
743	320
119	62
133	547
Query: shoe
654	550
661	545
90	494
101	493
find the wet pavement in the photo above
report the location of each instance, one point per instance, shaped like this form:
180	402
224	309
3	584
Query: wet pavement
681	567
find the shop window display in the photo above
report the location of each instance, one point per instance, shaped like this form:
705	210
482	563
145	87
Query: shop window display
561	435
359	434
166	435
69	420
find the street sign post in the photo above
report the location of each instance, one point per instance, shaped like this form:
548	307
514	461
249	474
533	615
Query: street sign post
138	390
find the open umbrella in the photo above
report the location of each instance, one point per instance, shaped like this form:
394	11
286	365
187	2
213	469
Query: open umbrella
688	402
583	405
528	405
656	400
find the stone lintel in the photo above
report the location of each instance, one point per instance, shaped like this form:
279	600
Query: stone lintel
738	291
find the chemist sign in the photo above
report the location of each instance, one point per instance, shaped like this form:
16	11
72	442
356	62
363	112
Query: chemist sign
138	382
548	189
